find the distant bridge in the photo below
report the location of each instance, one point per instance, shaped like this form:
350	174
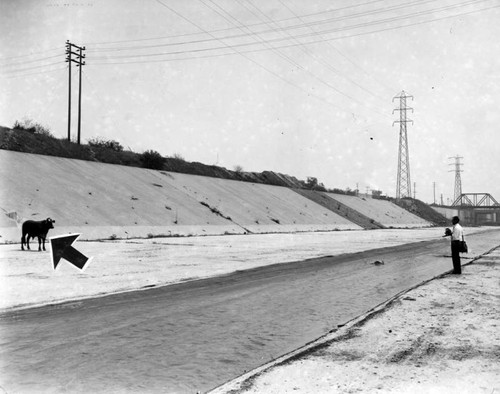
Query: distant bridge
474	209
475	200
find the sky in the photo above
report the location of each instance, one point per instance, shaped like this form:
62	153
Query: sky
305	88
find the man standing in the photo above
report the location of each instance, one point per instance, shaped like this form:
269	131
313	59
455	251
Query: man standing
457	235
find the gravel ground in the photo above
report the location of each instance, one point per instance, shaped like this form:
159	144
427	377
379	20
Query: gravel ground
440	337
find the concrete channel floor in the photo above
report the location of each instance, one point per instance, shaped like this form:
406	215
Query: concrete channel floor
440	337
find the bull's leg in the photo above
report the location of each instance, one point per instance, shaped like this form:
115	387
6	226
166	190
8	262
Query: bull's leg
28	242
40	244
22	241
43	243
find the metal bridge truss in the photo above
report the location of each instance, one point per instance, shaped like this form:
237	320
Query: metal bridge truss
475	200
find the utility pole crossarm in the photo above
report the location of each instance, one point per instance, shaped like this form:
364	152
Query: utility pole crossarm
402	95
73	53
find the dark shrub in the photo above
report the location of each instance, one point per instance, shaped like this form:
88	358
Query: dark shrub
32	127
152	159
107	144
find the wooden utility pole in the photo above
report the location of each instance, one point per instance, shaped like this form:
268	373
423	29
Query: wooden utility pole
79	56
80	65
68	60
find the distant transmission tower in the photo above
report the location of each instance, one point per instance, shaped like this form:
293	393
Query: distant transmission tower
458	180
403	188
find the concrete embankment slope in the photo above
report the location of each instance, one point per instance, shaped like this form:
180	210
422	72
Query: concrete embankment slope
326	200
107	201
380	211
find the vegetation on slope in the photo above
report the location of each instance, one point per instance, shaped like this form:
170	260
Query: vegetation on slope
31	137
31	140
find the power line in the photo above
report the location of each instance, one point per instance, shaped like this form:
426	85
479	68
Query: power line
29	61
231	28
35	73
327	64
252	60
227	46
279	53
272	30
312	55
31	54
29	68
301	26
330	45
256	35
285	46
281	20
101	63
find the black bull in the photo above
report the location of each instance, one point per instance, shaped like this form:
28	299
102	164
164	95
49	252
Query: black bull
39	229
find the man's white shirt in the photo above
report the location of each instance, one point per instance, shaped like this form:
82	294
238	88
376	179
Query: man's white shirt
457	233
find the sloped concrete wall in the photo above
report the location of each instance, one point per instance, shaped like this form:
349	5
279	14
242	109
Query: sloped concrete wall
107	201
257	207
341	209
382	211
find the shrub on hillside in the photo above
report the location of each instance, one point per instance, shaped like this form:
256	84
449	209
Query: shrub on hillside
22	140
152	159
178	157
312	184
71	150
32	127
99	142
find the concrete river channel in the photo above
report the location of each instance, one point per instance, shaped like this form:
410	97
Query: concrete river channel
194	336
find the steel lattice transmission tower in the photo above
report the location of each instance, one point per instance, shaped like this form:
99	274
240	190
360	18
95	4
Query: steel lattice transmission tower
403	188
458	179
